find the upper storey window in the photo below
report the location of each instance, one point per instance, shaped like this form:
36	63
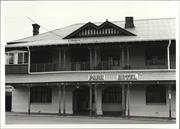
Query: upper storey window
105	29
17	57
155	56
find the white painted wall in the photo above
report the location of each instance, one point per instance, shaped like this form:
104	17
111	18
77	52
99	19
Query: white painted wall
52	107
138	106
173	103
99	101
20	99
69	100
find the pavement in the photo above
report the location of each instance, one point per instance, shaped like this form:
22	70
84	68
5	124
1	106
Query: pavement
20	118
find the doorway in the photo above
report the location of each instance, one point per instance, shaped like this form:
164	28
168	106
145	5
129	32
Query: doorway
81	100
8	101
112	101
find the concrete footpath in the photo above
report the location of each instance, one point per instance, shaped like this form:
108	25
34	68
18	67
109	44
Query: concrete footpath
20	118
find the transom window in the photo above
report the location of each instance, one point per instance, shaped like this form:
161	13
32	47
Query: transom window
156	94
17	57
41	94
155	56
112	95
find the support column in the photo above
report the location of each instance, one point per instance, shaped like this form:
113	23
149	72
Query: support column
64	59
91	58
128	100
64	99
95	96
127	48
122	57
95	58
169	97
60	99
29	100
60	60
123	100
90	100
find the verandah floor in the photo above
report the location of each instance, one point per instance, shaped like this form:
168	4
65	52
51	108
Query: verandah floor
21	118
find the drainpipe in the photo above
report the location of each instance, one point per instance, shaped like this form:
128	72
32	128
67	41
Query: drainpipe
29	59
168	56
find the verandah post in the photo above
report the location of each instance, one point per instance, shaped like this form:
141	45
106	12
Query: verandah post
91	58
64	59
95	96
60	59
29	100
128	64
122	57
123	100
90	100
128	100
95	58
64	99
169	97
60	98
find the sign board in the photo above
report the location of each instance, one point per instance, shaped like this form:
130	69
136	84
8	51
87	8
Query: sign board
127	77
96	77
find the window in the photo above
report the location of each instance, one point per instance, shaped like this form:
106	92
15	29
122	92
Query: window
156	94
112	95
20	58
9	58
25	58
41	94
112	61
17	57
155	56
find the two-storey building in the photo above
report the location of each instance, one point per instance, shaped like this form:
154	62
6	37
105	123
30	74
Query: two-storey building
120	68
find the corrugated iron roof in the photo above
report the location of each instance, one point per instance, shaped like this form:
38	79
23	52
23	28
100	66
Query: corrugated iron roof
145	30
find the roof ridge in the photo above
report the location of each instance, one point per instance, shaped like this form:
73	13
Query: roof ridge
146	19
155	18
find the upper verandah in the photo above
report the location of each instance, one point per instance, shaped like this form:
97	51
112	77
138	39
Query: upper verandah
145	30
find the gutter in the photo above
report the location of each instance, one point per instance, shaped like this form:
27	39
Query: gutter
168	55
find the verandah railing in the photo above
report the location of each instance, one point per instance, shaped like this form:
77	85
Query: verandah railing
47	67
74	66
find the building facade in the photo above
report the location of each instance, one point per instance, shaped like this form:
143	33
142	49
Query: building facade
122	68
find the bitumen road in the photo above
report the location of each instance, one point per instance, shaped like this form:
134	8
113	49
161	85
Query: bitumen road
17	118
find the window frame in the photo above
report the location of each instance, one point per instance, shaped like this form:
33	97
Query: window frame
152	90
16	62
117	95
160	55
38	93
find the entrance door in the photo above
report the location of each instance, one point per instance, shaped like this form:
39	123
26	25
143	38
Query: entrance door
112	101
8	101
81	101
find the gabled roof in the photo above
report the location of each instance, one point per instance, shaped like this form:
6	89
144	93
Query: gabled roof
145	30
99	28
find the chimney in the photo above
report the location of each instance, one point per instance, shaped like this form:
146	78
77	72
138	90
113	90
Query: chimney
129	22
35	29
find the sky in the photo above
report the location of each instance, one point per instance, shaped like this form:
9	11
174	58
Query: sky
53	15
